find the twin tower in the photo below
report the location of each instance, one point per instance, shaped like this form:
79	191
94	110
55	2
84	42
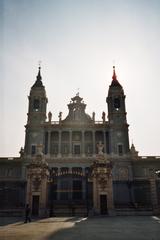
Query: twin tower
113	133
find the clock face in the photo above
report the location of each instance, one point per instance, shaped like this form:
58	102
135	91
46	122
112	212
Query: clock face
119	134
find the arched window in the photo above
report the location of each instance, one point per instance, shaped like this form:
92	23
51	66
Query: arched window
117	103
36	104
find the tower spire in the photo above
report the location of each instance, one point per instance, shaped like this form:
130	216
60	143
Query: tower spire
38	82
114	77
39	73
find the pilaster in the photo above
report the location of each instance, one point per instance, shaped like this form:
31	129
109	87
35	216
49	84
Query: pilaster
59	143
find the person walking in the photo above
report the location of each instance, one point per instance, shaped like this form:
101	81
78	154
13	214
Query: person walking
27	214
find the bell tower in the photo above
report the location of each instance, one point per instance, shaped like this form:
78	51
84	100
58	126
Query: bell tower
119	140
36	116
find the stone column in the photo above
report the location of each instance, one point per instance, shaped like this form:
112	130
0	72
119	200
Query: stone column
58	185
49	143
59	143
83	151
43	197
70	143
94	143
29	191
95	195
70	184
153	189
84	181
104	135
111	210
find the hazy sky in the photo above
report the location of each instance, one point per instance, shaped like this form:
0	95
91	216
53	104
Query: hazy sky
78	41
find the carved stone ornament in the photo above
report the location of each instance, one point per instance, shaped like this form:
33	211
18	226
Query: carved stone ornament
123	173
102	182
100	147
36	183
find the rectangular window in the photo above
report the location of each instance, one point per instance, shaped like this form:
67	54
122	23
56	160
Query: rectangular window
120	149
88	149
33	149
54	149
65	148
77	149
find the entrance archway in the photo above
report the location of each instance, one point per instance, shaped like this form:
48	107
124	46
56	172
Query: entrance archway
103	204
35	205
69	192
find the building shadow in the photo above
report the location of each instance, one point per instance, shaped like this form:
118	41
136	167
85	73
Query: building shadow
74	231
4	221
10	220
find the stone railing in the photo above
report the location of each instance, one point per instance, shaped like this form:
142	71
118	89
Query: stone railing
149	158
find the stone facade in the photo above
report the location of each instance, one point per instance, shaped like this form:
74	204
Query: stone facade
76	165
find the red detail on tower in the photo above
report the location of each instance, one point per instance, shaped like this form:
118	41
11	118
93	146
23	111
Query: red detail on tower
114	77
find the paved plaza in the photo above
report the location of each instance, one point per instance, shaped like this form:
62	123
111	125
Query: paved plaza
74	228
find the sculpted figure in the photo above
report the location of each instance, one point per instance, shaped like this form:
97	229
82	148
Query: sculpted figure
39	149
60	116
93	116
103	117
100	147
49	116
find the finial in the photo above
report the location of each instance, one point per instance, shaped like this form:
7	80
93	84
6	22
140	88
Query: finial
114	77
77	94
39	71
39	64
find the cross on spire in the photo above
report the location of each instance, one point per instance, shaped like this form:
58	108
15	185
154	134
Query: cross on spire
39	71
77	94
39	63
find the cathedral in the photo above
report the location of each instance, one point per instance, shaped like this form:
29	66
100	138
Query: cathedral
78	166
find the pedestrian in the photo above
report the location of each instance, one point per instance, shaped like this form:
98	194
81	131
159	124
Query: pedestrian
27	214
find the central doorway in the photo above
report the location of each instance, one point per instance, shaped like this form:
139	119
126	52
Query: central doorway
35	205
103	204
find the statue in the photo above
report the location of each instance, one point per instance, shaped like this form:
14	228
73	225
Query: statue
100	147
103	117
93	116
21	152
39	149
49	117
60	116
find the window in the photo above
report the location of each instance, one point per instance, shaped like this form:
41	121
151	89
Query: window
120	149
36	104
33	149
88	149
54	149
65	148
117	103
77	149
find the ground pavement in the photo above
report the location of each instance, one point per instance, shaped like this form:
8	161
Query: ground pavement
74	228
